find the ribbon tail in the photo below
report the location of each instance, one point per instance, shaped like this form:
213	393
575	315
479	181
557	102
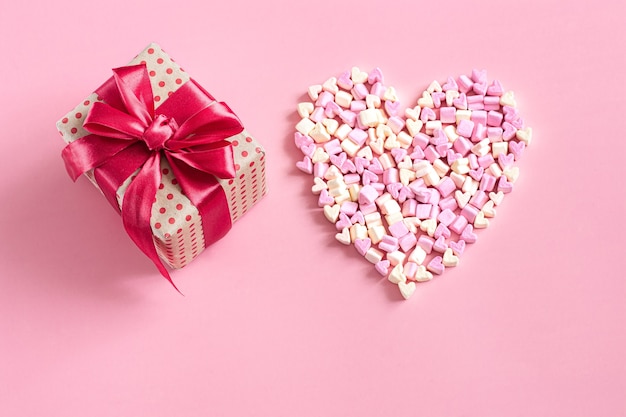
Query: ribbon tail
206	193
112	174
137	208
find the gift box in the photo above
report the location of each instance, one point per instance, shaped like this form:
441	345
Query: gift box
177	164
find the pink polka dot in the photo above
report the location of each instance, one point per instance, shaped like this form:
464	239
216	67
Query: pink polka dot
157	225
167	236
86	102
244	153
157	98
248	139
73	130
237	167
230	182
179	81
188	217
171	220
65	120
150	51
78	115
143	62
161	186
161	83
170	196
165	171
174	181
169	70
179	206
162	210
252	163
235	143
257	149
152	73
160	61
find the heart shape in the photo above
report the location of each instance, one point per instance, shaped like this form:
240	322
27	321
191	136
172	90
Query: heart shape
408	187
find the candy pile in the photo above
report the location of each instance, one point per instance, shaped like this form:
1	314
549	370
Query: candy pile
409	188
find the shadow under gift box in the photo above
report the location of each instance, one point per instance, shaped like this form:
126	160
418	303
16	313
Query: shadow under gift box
175	222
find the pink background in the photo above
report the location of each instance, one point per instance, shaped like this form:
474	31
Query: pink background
278	319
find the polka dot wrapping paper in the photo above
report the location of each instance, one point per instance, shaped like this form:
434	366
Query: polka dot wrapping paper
175	222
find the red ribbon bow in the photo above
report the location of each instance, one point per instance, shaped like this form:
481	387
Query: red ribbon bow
189	129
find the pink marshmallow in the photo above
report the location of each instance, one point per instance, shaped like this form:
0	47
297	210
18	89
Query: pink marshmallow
440	245
410	268
446	187
442	231
465	128
357	105
367	195
421	140
436	266
491	103
479	199
447	114
422	211
431	153
458	224
426	242
469	212
357	136
446	217
409	207
388	244
359	91
487	183
465	84
462	145
486	160
323	99
368	208
479	116
448	203
494	118
407	242
378	89
391	175
349	208
398	229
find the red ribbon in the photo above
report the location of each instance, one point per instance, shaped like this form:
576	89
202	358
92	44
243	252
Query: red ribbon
127	134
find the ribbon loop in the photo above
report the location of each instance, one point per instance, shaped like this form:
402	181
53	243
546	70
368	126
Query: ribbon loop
127	136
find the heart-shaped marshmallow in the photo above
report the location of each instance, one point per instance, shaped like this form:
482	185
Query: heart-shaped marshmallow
408	187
